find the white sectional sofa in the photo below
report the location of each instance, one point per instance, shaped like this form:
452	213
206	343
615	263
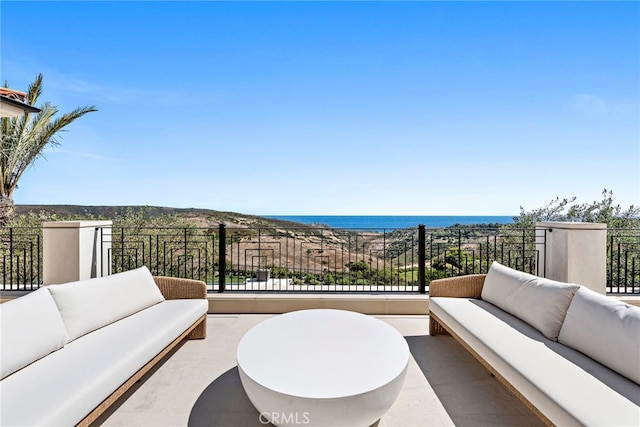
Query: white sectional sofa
69	351
570	354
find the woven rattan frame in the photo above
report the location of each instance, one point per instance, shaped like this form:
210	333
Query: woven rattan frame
171	288
458	287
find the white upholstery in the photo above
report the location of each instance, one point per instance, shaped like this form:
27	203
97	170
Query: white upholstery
568	387
61	389
606	330
91	304
540	302
30	328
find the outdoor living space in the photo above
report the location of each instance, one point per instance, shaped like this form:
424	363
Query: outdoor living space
199	384
327	213
202	381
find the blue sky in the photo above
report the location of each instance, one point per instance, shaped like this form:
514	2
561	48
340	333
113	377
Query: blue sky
346	108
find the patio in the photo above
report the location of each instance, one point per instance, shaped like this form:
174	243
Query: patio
199	384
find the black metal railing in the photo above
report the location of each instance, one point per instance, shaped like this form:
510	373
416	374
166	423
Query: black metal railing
316	259
623	261
177	252
20	258
321	259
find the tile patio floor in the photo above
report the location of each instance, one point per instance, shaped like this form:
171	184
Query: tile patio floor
199	385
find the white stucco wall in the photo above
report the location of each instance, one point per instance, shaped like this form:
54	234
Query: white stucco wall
575	252
68	250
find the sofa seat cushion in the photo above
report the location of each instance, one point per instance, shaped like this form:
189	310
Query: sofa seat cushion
64	387
90	304
30	328
605	329
564	384
540	302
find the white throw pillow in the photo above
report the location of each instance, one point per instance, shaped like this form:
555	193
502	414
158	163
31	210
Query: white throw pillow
605	329
540	302
30	328
91	304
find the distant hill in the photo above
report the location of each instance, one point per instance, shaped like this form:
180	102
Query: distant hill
288	241
202	217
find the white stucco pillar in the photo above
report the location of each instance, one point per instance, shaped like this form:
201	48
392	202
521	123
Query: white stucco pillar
574	252
75	250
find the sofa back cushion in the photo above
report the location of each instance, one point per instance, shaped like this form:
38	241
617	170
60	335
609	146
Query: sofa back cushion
606	330
540	302
88	305
30	328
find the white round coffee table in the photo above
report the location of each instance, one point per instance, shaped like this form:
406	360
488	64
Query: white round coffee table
322	368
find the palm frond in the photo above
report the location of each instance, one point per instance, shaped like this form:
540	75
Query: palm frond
25	138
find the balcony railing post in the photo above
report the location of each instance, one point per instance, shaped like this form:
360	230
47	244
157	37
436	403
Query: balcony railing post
10	257
186	265
222	258
422	254
122	249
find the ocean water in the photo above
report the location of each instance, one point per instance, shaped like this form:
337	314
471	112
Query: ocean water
391	222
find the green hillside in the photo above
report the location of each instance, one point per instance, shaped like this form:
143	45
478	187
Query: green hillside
201	216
